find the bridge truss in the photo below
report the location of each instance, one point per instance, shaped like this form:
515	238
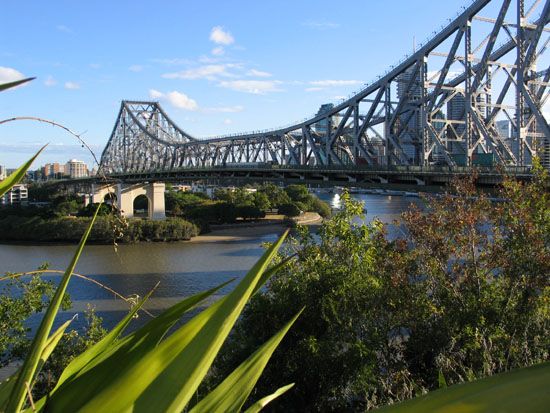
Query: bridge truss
475	92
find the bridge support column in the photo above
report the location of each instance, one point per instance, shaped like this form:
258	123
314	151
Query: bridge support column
125	195
156	200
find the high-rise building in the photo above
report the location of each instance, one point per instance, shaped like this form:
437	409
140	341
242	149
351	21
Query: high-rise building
53	170
410	126
76	169
415	91
322	127
3	172
504	129
17	195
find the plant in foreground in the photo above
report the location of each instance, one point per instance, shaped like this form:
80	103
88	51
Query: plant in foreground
145	370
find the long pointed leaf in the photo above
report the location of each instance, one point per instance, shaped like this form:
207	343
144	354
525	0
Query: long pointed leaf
17	396
83	359
5	86
264	401
15	177
7	385
147	337
165	378
231	393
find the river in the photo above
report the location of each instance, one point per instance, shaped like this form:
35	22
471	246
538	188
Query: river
180	269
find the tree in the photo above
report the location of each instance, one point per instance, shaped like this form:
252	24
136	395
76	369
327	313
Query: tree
332	352
261	201
486	269
298	193
289	210
277	195
463	293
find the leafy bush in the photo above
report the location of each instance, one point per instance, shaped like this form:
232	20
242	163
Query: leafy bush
321	207
461	295
69	229
250	212
289	210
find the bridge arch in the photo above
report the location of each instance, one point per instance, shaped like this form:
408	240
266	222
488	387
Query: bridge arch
125	195
141	205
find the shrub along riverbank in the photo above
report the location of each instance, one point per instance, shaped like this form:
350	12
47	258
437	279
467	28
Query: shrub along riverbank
106	229
189	214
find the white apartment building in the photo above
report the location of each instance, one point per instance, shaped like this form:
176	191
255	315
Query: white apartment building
18	195
76	169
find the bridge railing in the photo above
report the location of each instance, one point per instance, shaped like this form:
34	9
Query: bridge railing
411	169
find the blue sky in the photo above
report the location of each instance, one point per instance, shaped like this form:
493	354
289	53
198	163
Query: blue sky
217	67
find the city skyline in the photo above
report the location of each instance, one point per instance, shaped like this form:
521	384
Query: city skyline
219	70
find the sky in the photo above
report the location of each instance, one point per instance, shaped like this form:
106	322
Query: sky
216	67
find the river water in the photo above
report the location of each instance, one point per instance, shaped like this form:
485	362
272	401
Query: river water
180	269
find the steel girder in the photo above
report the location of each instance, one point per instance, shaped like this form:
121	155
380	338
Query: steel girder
443	104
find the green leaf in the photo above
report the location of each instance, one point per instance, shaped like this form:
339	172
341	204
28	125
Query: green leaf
264	401
146	338
441	380
28	370
521	390
166	377
85	358
15	177
5	86
231	394
270	272
7	385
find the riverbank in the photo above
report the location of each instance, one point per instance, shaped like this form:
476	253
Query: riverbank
66	230
246	231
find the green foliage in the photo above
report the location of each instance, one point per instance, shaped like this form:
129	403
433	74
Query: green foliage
298	193
19	299
485	269
89	210
289	210
250	212
276	195
28	371
462	294
69	229
321	207
522	390
261	201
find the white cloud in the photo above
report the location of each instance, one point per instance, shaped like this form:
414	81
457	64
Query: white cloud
135	68
227	121
7	74
314	89
155	94
258	73
332	83
72	85
95	65
50	81
218	51
321	25
219	36
63	28
176	99
225	109
210	72
257	87
177	61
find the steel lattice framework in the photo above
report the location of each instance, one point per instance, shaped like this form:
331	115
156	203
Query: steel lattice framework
478	88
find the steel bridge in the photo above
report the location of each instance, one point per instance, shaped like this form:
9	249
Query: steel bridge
473	95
